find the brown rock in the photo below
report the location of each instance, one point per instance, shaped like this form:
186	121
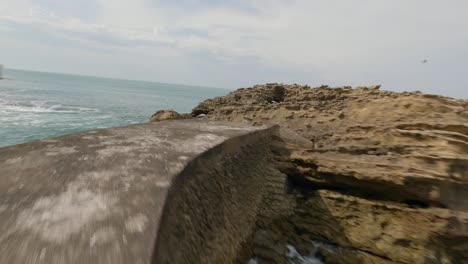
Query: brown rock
386	173
162	115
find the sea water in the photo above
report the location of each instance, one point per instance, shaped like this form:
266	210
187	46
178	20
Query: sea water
294	257
36	105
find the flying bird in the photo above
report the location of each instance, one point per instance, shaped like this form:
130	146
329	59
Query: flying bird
424	61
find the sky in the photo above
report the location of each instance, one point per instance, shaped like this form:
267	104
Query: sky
239	43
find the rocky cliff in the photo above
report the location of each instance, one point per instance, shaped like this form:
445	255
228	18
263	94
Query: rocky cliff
374	176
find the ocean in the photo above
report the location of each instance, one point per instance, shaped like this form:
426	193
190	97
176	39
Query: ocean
37	105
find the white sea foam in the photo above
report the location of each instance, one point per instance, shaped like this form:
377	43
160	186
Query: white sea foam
41	107
38	105
294	257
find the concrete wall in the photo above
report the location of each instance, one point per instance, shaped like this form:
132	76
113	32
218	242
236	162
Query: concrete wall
213	207
171	192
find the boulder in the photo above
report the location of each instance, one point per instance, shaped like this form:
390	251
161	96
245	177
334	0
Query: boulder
162	115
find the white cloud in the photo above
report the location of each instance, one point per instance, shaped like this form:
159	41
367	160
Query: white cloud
357	42
72	26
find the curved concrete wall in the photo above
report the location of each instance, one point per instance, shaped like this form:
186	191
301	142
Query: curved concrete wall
184	191
213	207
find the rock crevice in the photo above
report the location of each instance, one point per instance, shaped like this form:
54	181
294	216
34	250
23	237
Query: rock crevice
381	175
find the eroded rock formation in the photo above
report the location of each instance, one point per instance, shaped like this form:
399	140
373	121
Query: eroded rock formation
376	176
166	115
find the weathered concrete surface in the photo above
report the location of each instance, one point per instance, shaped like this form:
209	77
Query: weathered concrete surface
104	196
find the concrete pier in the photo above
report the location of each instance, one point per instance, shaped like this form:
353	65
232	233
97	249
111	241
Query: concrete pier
183	191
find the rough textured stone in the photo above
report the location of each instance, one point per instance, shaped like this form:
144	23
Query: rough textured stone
396	165
186	191
163	115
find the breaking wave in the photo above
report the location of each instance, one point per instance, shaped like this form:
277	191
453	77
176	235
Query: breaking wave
41	107
294	257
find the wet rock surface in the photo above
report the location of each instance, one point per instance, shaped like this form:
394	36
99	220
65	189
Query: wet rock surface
377	176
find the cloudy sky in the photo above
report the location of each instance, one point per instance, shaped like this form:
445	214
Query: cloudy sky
236	43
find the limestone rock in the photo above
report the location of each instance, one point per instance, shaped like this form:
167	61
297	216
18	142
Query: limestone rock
162	115
385	173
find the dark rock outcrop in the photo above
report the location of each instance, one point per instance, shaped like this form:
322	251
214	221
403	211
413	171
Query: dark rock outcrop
378	176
